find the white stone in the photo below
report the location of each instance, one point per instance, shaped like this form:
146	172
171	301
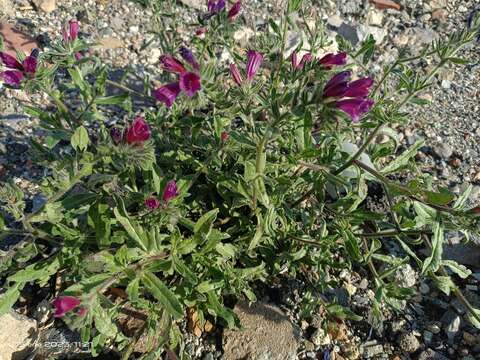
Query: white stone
17	335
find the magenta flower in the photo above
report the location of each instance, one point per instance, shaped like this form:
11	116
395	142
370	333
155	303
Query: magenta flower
188	56
64	304
27	67
355	107
234	10
337	85
224	136
169	63
189	83
138	132
200	32
70	33
116	135
254	60
236	74
170	191
152	203
299	65
167	93
329	60
359	88
215	7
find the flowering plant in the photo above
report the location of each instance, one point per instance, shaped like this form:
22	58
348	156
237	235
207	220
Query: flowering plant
188	201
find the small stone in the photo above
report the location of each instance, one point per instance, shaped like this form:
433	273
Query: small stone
455	162
408	342
46	5
371	351
154	55
335	21
110	43
351	290
320	338
470	339
243	34
405	276
386	4
375	18
348	32
446	84
440	15
208	356
443	151
6	8
424	288
309	346
430	354
427	337
433	328
43	312
195	4
453	328
17	335
363	284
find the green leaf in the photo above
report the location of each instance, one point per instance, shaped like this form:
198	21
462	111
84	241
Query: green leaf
111	100
136	232
99	219
103	322
77	78
258	233
9	298
439	198
203	226
80	139
38	271
444	283
474	320
163	294
460	202
78	200
132	290
432	263
459	269
402	160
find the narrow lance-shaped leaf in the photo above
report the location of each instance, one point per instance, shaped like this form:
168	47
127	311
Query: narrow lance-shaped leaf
432	263
163	294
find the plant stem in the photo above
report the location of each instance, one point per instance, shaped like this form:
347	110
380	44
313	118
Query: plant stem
391	233
127	89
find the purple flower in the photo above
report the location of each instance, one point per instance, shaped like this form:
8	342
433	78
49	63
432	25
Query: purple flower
299	65
234	10
12	77
167	93
188	56
64	304
116	135
169	63
70	34
138	132
329	60
200	32
189	83
170	191
152	203
236	74
9	61
254	60
215	7
27	67
359	88
224	136
355	107
338	85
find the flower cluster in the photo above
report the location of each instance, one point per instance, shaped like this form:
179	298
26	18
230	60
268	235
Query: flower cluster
189	81
327	61
350	96
136	134
169	193
254	61
18	70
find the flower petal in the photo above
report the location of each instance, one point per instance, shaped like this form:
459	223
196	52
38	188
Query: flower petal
355	107
30	65
189	83
64	304
12	77
9	61
254	60
167	93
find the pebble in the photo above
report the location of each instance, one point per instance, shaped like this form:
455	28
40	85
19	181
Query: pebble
408	342
430	354
371	351
424	288
320	338
428	337
433	328
453	328
46	5
443	151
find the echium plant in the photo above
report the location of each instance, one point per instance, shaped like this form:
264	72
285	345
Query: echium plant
230	173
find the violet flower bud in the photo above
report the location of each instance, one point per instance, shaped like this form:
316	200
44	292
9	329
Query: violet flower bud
167	94
254	61
64	304
138	132
355	107
234	10
188	56
170	191
330	60
169	63
116	135
236	74
152	203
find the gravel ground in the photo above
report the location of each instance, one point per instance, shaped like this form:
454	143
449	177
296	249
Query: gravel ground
432	325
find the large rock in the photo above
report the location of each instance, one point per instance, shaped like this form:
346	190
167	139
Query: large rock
17	336
14	39
267	335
